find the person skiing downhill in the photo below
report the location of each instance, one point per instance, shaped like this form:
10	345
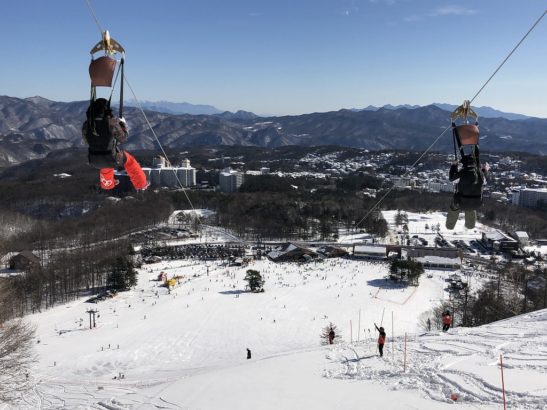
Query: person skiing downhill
331	336
381	339
447	321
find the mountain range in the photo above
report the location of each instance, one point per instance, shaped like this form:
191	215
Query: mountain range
482	112
187	108
169	107
33	127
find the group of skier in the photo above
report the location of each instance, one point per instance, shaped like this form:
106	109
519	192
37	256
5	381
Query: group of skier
446	320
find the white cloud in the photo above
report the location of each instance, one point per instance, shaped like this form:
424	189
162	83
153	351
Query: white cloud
388	2
452	10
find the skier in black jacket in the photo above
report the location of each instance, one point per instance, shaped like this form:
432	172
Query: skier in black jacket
468	195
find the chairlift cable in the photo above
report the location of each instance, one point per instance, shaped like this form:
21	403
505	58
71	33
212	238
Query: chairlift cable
147	121
447	128
94	15
159	143
509	55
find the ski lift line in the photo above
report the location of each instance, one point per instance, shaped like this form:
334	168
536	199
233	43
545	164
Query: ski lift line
161	147
509	56
94	15
140	107
146	118
404	175
447	128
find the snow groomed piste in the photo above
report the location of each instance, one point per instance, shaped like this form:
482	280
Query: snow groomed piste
186	348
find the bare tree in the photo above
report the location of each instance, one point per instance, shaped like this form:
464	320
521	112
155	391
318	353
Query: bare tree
16	357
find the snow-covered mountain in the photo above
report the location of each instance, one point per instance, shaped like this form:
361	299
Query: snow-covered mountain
176	108
187	348
32	128
484	111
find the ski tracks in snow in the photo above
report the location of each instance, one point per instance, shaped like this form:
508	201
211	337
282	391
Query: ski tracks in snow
463	364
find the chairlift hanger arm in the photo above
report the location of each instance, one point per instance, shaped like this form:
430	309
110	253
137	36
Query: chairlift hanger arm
464	111
107	44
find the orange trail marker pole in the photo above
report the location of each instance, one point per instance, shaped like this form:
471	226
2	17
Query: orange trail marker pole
502	383
404	366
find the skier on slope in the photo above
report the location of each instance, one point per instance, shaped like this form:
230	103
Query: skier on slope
381	339
331	336
447	321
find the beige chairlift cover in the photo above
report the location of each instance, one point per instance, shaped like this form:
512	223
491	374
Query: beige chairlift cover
468	134
101	71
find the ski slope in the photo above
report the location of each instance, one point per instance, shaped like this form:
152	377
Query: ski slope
186	349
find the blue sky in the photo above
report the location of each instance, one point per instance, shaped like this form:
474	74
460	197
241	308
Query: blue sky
284	56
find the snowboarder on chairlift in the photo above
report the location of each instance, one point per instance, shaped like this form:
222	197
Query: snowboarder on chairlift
447	321
381	339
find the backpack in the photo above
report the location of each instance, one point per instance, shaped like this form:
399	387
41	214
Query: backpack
98	135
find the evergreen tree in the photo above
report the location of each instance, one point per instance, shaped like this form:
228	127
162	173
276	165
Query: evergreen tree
325	334
407	270
254	280
398	218
130	275
376	224
123	274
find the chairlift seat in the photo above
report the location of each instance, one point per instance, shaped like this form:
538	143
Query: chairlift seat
101	71
468	134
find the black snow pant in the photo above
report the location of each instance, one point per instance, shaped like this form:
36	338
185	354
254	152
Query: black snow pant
381	349
445	328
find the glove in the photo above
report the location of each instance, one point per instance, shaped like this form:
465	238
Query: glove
118	127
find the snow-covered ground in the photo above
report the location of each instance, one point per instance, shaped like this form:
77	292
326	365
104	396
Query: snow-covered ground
464	362
424	224
186	349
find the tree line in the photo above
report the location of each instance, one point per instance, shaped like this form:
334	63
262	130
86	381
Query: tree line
515	291
78	256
